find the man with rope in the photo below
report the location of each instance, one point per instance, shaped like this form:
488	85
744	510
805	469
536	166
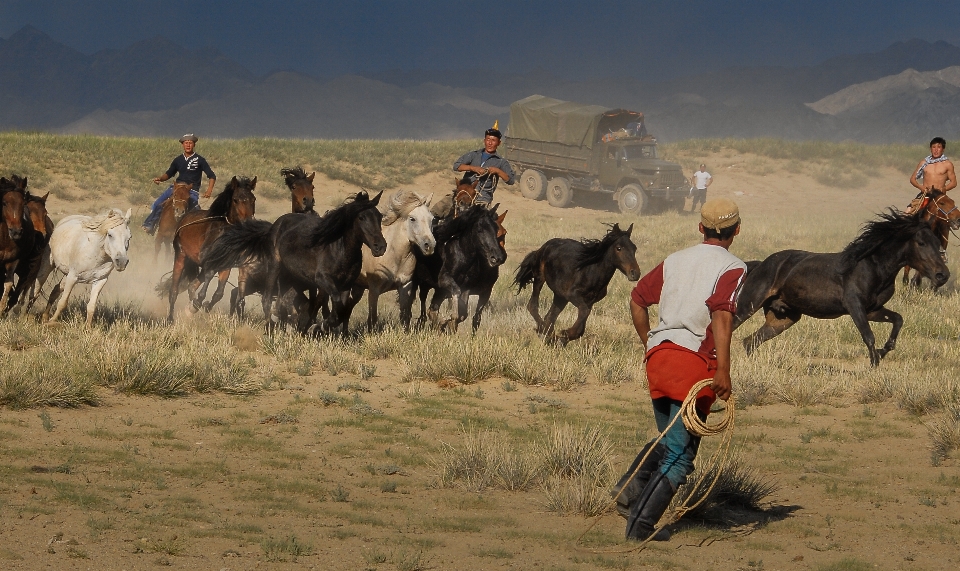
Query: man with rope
189	168
696	291
934	172
486	166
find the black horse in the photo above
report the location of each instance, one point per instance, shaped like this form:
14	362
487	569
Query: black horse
578	272
466	261
244	245
322	255
857	281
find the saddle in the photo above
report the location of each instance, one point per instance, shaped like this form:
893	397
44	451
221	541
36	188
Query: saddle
918	203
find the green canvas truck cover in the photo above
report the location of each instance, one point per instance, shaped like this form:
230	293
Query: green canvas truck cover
540	118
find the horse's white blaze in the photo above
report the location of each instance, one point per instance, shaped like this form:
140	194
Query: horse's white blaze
86	252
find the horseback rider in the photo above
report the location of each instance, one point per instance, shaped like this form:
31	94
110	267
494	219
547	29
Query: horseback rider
189	168
485	167
934	172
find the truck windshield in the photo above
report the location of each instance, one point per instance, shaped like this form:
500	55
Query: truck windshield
640	152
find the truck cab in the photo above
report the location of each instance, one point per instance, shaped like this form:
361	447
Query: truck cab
633	171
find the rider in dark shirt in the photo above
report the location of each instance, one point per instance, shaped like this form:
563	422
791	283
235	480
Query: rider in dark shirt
485	164
189	168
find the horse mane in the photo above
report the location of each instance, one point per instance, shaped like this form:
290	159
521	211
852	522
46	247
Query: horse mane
105	221
334	223
401	203
221	204
593	250
293	175
890	225
452	227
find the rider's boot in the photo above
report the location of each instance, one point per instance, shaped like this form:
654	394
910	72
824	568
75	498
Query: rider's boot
632	488
649	508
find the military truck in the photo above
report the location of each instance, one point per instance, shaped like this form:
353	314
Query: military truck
559	148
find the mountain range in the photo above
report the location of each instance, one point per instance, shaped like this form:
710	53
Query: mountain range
908	92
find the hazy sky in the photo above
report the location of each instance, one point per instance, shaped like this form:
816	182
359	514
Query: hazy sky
651	40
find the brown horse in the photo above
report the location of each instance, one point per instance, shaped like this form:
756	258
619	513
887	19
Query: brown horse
198	228
943	215
301	188
13	195
464	195
29	266
171	213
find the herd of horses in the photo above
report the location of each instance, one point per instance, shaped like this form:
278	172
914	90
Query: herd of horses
311	270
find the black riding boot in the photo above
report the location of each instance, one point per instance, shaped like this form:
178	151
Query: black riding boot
647	510
633	488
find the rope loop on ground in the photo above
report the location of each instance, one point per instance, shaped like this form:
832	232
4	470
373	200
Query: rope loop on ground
714	465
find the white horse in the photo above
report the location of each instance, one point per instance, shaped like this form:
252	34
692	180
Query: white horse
407	224
86	249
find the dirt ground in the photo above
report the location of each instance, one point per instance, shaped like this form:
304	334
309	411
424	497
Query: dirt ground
278	480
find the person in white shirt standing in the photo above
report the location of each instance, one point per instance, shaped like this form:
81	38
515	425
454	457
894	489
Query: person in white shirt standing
701	181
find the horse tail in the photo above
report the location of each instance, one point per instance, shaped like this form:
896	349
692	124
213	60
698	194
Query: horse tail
527	270
247	240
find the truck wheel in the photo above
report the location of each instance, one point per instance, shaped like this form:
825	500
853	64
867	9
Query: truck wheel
533	184
632	199
559	193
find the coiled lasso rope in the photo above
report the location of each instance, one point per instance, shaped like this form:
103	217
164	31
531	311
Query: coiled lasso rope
716	463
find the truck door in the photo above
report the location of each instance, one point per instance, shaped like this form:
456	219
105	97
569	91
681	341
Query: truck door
611	160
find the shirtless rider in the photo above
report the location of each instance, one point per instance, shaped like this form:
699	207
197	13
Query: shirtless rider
934	172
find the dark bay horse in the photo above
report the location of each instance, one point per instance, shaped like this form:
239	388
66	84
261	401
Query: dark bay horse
857	281
244	246
16	230
199	227
320	254
941	212
466	260
578	272
32	256
172	211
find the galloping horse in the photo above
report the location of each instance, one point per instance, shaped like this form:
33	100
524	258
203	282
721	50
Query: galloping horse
171	213
943	215
86	249
200	227
857	281
406	225
244	246
32	260
578	272
13	226
467	251
322	254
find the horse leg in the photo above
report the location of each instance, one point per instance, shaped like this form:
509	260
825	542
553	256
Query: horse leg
179	263
906	275
405	301
373	301
54	296
578	327
482	299
11	270
860	319
448	289
42	274
94	294
551	318
533	306
884	315
779	319
68	282
462	302
218	295
422	320
157	246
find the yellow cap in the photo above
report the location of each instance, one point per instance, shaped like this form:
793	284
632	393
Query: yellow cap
719	213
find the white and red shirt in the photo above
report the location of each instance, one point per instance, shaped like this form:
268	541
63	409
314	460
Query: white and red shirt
689	286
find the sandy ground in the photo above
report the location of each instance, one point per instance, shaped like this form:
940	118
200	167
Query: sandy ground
207	481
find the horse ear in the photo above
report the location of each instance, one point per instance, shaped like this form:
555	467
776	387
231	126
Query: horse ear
429	200
630	229
43	198
253	183
126	217
313	174
376	199
502	216
495	207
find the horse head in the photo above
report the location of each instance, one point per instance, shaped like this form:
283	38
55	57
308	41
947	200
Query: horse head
236	203
943	208
116	232
181	197
301	188
36	210
923	254
13	200
368	220
624	252
485	230
417	218
466	192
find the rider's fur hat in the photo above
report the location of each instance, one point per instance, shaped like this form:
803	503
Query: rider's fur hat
494	131
189	137
719	213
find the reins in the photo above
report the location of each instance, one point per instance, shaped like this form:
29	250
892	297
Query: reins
198	221
716	463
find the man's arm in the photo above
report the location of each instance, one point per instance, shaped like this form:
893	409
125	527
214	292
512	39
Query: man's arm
641	322
462	165
913	178
210	183
951	176
722	325
709	181
161	178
